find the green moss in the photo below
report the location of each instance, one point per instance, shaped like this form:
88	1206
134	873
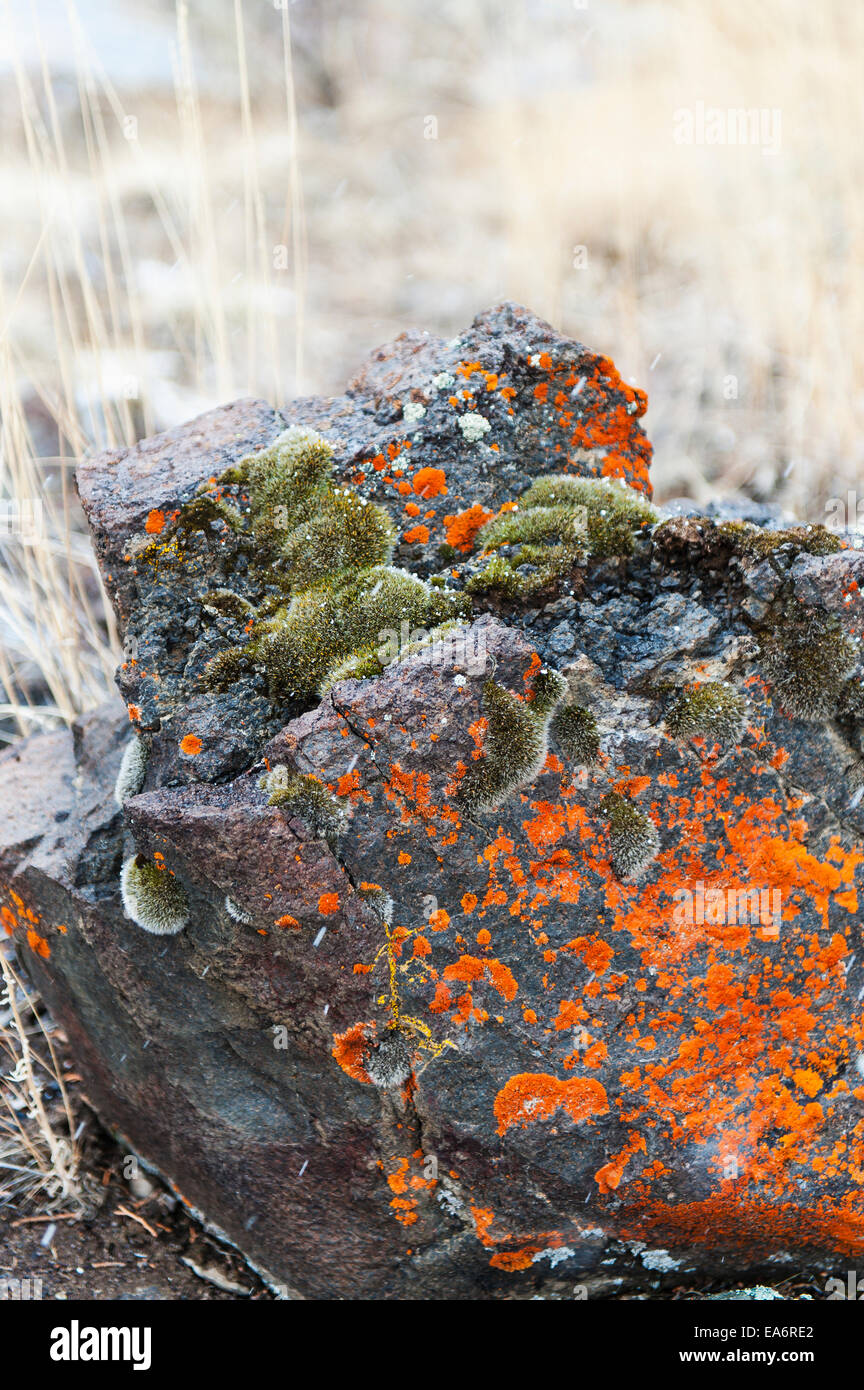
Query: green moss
807	658
152	897
225	669
575	728
515	742
303	646
327	548
756	541
304	796
851	702
711	710
613	514
498	576
198	515
287	481
347	533
359	666
559	520
633	838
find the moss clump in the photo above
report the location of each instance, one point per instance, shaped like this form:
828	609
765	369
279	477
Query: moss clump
133	769
575	728
238	913
202	511
152	897
712	710
305	796
498	576
515	744
808	659
328	549
389	1063
756	541
633	837
308	644
228	604
286	482
559	520
346	534
613	514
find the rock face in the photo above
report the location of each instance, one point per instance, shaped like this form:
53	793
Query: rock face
531	961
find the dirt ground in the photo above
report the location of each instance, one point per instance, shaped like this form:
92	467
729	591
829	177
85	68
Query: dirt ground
127	1247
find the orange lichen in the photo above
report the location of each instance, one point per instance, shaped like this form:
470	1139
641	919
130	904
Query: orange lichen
350	1048
429	482
38	944
461	528
191	745
155	522
417	535
531	1096
328	903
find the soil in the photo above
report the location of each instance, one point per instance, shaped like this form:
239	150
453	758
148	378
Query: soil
126	1247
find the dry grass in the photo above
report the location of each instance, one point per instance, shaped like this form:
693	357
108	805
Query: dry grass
39	1158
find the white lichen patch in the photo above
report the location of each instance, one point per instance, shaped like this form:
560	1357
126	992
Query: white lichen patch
659	1260
473	426
554	1256
413	410
443	381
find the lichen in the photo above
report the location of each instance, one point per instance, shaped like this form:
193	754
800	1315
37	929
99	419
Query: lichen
515	742
711	710
633	837
133	769
575	728
152	897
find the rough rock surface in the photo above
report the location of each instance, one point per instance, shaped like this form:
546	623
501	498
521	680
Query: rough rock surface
449	1051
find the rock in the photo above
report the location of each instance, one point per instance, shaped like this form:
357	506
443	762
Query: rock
419	1038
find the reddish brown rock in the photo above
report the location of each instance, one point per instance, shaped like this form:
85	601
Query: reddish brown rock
442	1051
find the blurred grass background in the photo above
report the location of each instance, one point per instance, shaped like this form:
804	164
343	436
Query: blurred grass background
203	200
